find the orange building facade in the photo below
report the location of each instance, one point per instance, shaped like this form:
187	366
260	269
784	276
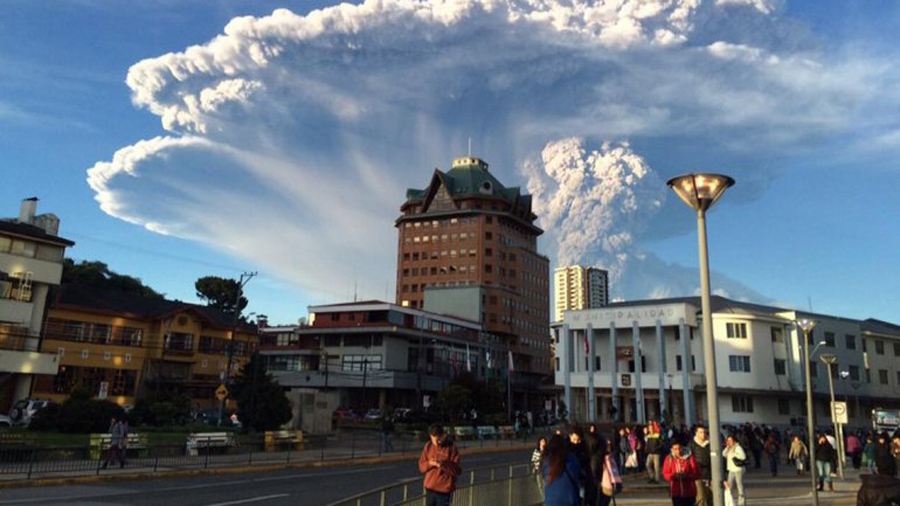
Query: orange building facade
465	229
124	346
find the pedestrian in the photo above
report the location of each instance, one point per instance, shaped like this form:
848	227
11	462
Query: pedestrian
655	448
882	488
624	450
869	453
597	451
611	482
895	449
798	454
854	449
681	471
579	450
825	455
700	450
561	470
772	449
116	442
631	461
735	463
440	464
754	438
537	456
387	434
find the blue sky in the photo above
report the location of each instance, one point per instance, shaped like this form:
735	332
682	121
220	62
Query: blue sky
302	154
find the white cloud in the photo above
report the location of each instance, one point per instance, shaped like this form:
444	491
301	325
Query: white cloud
293	136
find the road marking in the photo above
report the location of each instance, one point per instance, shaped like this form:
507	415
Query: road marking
252	499
192	487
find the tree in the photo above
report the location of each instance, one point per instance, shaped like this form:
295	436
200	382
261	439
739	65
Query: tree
454	402
262	404
79	414
220	293
99	275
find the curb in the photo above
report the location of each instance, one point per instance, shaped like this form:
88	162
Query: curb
184	473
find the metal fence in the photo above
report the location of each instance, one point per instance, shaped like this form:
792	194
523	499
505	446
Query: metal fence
510	485
22	460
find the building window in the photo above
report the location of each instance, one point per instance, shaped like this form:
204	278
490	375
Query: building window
864	347
883	376
897	349
784	406
813	369
741	404
678	364
488	236
488	269
850	341
739	363
596	363
854	372
898	377
557	363
780	367
777	335
336	316
829	339
488	252
879	347
736	330
868	376
643	365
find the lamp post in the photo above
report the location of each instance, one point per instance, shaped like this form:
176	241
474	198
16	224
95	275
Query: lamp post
806	326
700	192
829	361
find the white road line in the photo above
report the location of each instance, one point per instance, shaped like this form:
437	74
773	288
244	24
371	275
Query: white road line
252	499
193	487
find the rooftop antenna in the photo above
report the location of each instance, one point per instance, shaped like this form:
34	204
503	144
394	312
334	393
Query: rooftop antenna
809	302
354	289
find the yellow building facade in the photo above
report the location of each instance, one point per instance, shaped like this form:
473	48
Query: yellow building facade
124	346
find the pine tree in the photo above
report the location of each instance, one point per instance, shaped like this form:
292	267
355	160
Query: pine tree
262	404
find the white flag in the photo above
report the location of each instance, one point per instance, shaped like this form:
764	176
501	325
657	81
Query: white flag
468	360
511	366
487	358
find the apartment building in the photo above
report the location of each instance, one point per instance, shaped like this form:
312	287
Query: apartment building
123	346
641	360
31	257
579	287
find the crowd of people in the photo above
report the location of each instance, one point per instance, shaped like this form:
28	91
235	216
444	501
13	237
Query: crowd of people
579	466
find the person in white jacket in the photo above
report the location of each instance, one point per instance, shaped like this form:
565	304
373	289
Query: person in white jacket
735	462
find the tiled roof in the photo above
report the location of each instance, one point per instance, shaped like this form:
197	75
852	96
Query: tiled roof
114	302
471	180
28	230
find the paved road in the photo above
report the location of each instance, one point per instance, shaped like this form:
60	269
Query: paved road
294	487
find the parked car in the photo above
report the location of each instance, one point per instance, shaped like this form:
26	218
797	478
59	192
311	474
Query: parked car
401	414
344	415
374	415
22	412
5	421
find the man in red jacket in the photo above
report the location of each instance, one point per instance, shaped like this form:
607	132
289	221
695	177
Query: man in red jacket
439	463
680	470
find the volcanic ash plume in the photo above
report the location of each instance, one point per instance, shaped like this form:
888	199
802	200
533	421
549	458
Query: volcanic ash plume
593	203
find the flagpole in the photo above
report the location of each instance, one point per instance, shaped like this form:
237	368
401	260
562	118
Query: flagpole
509	387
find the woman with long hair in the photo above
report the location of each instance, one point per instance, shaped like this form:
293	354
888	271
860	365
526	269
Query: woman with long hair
537	458
561	471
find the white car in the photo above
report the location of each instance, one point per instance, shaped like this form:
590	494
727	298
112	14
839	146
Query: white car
23	410
5	421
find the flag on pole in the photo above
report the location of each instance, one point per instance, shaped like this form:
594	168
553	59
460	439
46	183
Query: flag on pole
468	360
511	365
587	344
487	358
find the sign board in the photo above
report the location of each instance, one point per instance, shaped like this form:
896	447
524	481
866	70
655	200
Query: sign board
839	413
221	392
626	380
624	317
548	405
624	352
426	401
885	419
104	390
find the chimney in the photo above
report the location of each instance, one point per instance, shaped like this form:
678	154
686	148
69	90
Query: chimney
26	213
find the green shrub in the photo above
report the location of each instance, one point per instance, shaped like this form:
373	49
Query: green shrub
78	414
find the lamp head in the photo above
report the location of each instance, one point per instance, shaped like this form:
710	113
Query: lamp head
828	358
700	191
806	325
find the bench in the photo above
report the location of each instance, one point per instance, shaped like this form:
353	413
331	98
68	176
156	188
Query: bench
487	431
209	440
136	444
464	432
15	439
507	431
276	439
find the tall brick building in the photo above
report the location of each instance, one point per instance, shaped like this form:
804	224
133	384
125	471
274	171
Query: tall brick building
468	237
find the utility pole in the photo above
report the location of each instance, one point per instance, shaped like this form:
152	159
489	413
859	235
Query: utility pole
234	324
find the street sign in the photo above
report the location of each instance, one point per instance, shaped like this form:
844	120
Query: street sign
426	401
104	390
221	393
839	413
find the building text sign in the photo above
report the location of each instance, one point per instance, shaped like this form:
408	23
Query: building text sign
625	316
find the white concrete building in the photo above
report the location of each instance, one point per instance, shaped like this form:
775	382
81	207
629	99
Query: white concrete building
31	257
579	287
759	368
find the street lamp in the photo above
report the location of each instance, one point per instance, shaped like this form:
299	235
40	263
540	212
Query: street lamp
829	361
806	326
700	192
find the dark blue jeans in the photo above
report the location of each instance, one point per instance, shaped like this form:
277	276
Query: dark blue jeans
773	463
437	498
